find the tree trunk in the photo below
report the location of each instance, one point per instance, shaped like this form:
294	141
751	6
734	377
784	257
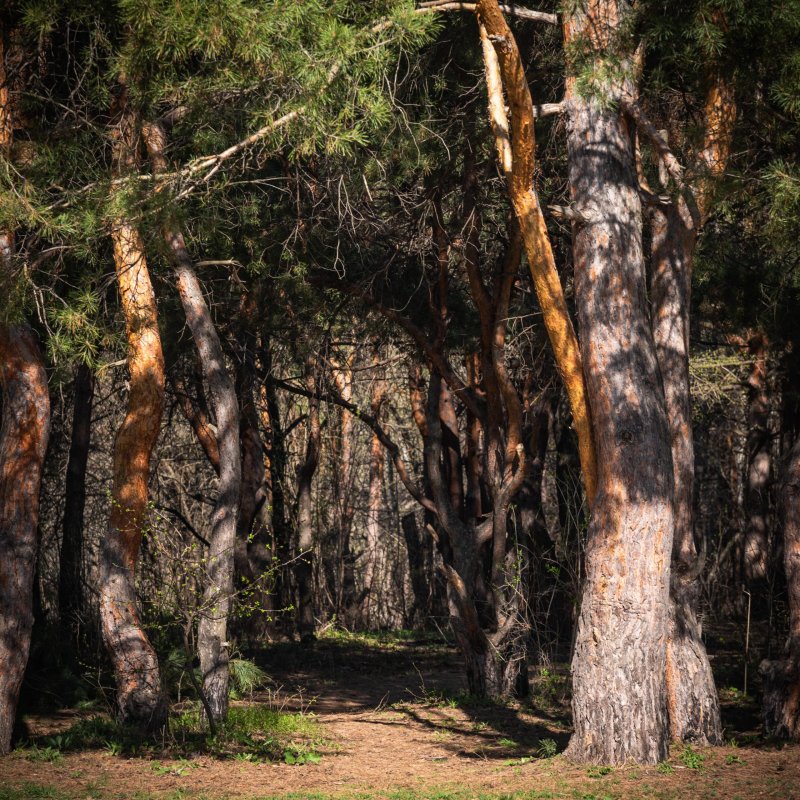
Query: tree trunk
374	563
619	697
759	470
415	547
254	545
305	524
344	588
517	156
692	698
23	442
212	630
781	702
140	700
71	600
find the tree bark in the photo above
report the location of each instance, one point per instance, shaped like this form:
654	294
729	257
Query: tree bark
305	523
692	698
374	561
71	600
619	697
516	152
759	468
781	701
23	442
212	630
140	700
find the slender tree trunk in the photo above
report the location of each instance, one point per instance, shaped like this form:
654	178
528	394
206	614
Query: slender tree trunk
212	631
619	697
23	442
781	701
344	588
197	416
254	545
420	584
140	700
71	600
305	524
374	560
517	155
759	468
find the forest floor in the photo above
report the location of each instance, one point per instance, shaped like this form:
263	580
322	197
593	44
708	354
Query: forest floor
383	717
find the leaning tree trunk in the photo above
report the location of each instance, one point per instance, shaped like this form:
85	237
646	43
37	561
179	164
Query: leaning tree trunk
692	698
23	442
619	698
140	700
781	703
212	630
305	524
71	602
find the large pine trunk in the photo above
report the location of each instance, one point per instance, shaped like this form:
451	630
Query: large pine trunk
23	442
140	700
781	702
71	602
619	698
692	698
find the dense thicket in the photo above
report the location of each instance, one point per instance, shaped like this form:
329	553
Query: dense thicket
382	314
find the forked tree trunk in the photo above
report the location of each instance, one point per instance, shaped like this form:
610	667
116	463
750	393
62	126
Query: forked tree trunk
71	602
23	442
212	630
304	570
781	702
692	698
619	698
516	145
140	700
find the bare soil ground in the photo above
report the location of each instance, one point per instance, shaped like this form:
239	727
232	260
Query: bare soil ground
393	725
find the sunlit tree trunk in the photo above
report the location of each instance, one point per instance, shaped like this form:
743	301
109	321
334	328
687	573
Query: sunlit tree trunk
140	700
619	697
212	631
516	146
23	442
24	434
